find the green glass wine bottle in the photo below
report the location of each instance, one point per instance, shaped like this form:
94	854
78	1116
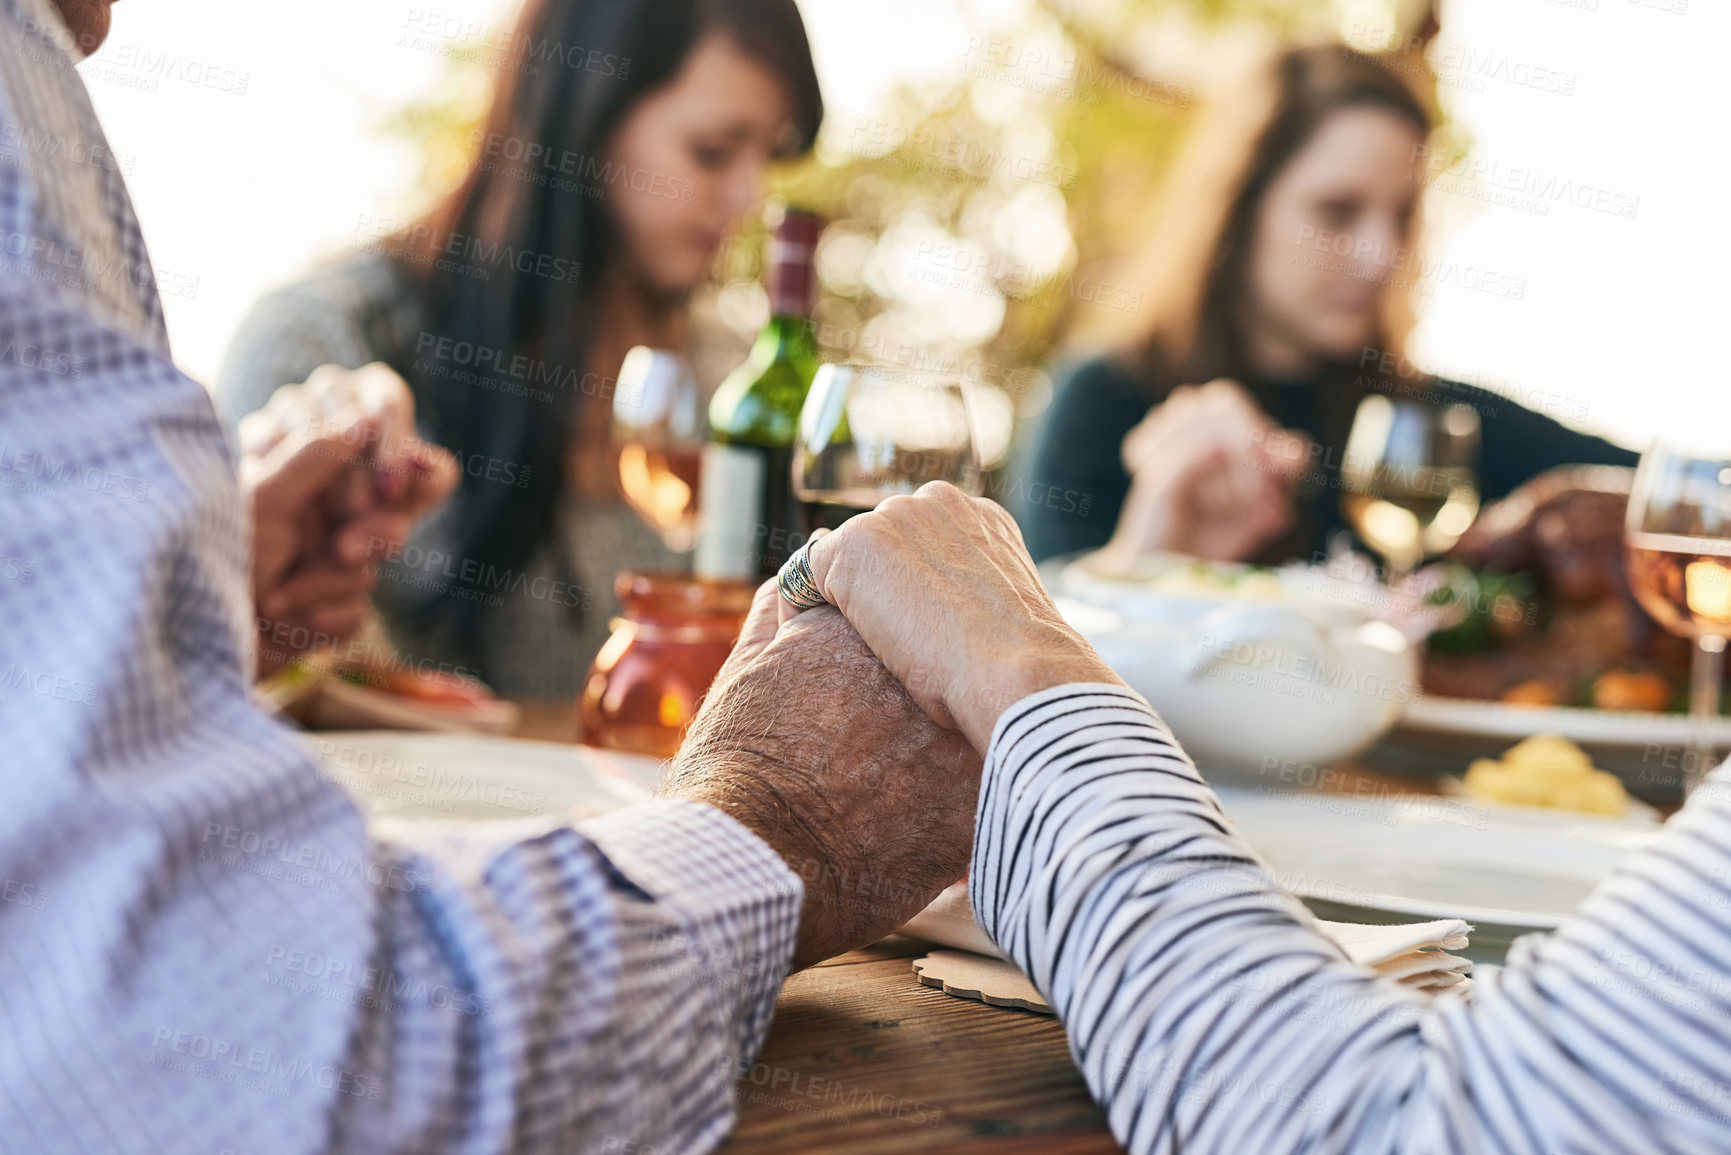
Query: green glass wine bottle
748	520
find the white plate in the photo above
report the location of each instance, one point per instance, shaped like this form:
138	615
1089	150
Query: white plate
398	774
1506	869
1647	750
1495	719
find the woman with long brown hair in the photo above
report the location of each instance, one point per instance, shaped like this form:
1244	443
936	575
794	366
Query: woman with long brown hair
1280	289
625	140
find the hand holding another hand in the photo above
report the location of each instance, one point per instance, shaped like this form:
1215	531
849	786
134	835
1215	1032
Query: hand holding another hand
807	741
941	587
336	477
1210	475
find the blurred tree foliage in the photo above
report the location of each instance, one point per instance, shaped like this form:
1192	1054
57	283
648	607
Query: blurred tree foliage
976	215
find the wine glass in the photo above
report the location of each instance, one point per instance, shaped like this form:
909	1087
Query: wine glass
1409	480
1677	550
676	630
867	432
658	429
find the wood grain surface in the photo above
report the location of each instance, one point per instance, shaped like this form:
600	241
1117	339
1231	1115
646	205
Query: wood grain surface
862	1058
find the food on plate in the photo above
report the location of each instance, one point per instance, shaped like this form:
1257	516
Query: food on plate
1177	575
321	692
1548	605
1535	692
1547	770
435	687
1631	690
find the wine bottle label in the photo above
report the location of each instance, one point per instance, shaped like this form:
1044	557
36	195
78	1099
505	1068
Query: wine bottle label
731	503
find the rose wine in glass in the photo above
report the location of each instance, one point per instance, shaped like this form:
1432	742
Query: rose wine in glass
676	630
1677	551
658	430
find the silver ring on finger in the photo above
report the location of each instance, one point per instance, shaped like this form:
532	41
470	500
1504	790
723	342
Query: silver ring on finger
796	583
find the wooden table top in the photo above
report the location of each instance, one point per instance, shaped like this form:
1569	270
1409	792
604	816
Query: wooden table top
864	1058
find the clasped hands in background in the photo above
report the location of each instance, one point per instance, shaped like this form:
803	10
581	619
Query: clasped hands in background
335	476
1210	475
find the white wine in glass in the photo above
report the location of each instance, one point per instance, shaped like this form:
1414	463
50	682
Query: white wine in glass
1410	479
1677	553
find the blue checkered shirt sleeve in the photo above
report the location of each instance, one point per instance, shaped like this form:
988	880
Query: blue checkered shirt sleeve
203	948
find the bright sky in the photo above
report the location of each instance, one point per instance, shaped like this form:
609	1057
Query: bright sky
254	143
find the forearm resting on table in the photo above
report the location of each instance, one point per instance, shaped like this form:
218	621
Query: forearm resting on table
1209	1014
651	972
623	969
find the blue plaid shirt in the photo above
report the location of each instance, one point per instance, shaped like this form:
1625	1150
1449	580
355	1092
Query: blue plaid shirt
202	948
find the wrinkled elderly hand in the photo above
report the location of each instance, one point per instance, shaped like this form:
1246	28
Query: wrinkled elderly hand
807	741
1210	475
335	476
942	589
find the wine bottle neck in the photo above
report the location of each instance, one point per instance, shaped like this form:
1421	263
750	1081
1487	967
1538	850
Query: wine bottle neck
789	333
792	281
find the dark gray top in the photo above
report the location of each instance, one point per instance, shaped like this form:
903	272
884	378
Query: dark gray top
1069	484
546	622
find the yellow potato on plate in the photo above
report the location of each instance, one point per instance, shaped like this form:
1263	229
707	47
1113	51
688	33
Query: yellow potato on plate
1551	751
1547	770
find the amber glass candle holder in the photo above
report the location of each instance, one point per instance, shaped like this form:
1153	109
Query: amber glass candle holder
650	677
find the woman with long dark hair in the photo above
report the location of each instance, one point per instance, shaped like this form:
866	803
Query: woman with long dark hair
1280	281
625	140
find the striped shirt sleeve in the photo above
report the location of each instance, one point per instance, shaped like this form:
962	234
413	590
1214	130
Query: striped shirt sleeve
1210	1015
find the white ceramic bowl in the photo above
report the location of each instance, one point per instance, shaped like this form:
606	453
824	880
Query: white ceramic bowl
1256	677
